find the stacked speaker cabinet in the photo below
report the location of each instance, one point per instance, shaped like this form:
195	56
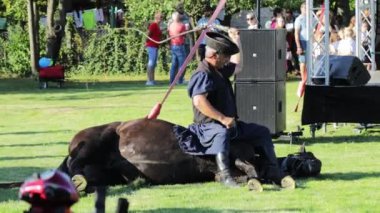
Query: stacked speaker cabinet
260	87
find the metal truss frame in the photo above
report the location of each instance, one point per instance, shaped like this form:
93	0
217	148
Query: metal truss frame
317	52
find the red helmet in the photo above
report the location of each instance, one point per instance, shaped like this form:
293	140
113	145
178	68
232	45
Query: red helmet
51	188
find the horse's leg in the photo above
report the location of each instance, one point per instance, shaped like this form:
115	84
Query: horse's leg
246	167
249	169
78	159
78	176
244	155
127	170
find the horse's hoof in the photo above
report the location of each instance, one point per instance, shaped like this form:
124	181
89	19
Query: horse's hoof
254	185
288	183
80	182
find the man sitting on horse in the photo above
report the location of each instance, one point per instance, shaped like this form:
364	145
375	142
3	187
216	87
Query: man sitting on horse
215	113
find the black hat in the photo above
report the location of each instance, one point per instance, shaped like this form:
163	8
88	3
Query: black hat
221	43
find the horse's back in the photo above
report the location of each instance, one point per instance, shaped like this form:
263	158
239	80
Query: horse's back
152	147
94	139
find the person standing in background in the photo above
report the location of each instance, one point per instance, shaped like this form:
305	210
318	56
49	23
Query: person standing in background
277	12
202	22
289	19
252	21
347	45
280	24
155	33
352	24
300	36
177	46
185	19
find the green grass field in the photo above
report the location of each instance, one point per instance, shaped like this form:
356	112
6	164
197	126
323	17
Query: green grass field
36	126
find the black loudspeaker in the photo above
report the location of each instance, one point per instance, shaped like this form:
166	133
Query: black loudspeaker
344	70
262	103
264	54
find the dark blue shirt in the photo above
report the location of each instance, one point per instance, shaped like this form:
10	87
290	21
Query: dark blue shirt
217	85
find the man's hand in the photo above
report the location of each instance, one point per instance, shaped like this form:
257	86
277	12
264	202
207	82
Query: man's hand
228	122
205	107
299	51
237	59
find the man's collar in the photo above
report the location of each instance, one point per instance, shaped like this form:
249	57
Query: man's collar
205	65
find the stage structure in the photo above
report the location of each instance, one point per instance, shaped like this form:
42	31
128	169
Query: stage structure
326	102
317	52
366	41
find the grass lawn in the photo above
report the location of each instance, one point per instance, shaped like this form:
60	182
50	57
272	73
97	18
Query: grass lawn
36	126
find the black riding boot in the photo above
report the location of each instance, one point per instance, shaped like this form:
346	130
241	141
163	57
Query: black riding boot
222	160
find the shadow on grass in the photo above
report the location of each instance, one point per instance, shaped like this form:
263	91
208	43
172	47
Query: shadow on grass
349	176
204	210
35	144
34	132
344	139
29	157
121	189
334	139
12	177
9	194
30	86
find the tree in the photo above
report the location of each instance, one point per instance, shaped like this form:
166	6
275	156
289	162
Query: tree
345	7
2	8
16	10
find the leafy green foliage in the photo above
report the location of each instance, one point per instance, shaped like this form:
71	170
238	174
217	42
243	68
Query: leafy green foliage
110	51
107	52
3	55
2	8
290	4
72	46
16	9
17	52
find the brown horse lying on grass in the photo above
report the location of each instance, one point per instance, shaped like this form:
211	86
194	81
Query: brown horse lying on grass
120	152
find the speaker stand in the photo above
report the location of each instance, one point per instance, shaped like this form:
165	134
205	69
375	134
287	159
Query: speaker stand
292	137
364	127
